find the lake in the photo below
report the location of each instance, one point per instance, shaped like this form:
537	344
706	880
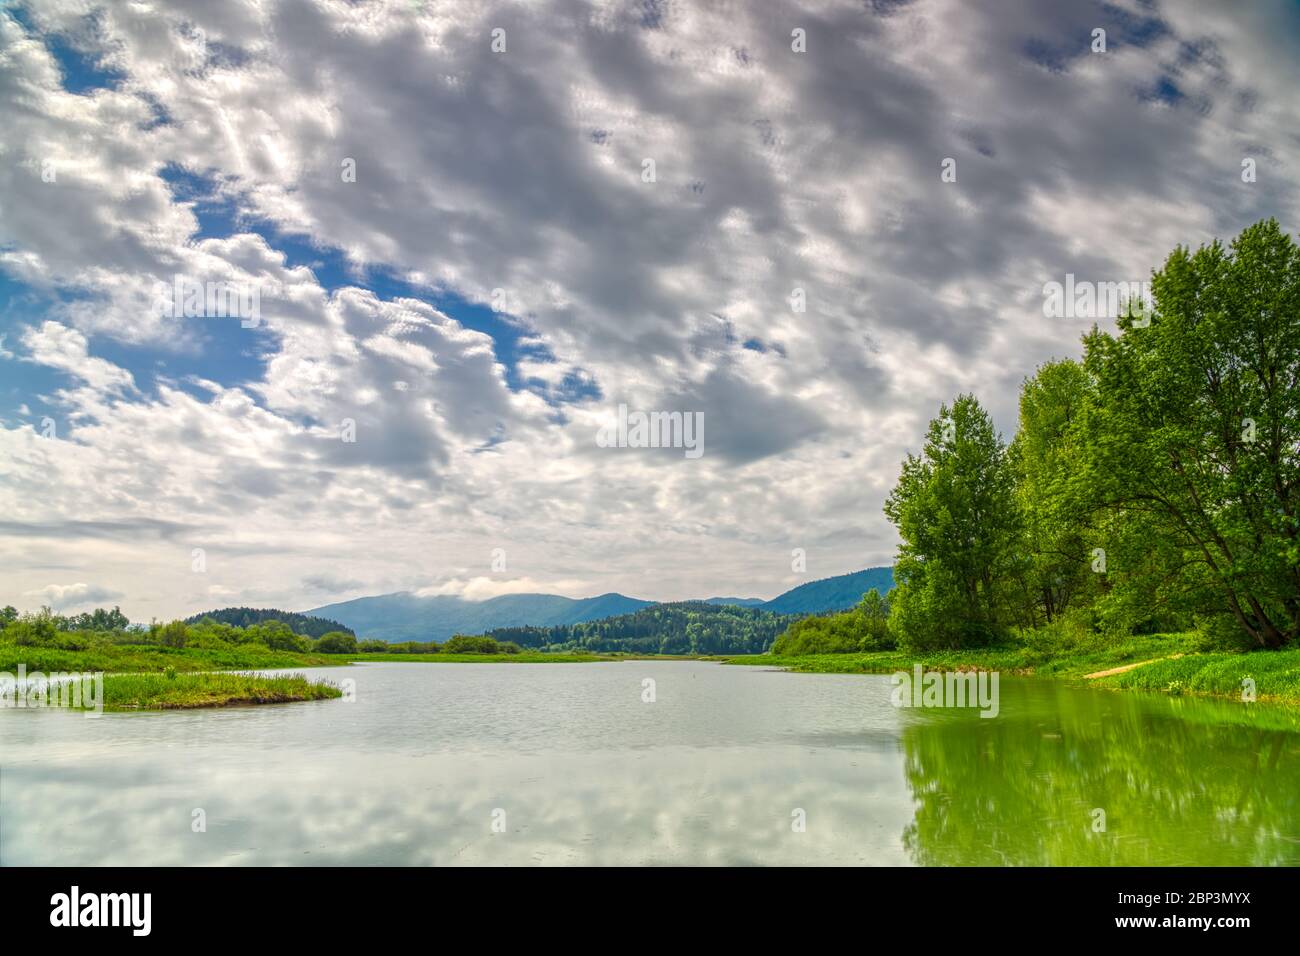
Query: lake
554	764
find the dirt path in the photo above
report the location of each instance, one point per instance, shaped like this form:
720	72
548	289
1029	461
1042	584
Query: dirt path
1129	667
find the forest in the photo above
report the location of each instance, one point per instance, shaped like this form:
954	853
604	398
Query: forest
303	624
688	627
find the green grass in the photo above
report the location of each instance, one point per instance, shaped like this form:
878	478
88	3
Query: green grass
1276	673
136	658
185	691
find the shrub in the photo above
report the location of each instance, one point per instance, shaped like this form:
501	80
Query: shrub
174	634
32	630
466	644
336	642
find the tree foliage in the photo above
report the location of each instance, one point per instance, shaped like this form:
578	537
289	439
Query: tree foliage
955	511
303	624
688	627
1154	484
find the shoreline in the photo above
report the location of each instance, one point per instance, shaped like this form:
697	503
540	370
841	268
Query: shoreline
1168	667
162	678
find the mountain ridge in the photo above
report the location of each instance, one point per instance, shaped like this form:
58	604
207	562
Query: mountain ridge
404	616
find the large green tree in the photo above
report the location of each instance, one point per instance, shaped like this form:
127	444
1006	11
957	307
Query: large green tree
956	514
1192	429
1058	522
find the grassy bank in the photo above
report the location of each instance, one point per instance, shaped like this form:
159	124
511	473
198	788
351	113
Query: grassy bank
125	692
145	659
1169	663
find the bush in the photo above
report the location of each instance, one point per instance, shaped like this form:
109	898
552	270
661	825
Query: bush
465	644
373	646
278	636
32	630
336	642
174	634
865	628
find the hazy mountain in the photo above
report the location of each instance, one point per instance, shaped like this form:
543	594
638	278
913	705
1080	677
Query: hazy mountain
831	594
405	617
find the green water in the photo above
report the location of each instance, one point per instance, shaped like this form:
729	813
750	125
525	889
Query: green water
555	764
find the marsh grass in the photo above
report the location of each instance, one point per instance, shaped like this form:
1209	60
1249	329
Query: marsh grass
176	691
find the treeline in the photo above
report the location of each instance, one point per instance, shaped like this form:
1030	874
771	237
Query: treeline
96	620
1153	485
457	644
299	623
688	627
98	628
46	629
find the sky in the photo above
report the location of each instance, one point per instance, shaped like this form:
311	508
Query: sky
471	231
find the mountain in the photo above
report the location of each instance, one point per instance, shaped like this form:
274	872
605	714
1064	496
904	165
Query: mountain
298	623
831	594
406	617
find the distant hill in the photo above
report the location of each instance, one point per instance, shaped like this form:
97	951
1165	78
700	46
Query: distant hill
403	616
831	594
686	627
304	624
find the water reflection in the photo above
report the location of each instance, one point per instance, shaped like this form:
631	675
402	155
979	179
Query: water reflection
1181	782
709	774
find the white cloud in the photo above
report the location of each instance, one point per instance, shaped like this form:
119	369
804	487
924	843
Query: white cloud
63	597
515	179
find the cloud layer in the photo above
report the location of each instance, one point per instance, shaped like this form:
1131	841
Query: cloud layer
465	266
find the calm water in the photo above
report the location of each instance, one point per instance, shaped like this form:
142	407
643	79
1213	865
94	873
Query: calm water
710	773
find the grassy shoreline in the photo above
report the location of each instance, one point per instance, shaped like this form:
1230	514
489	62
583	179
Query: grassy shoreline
155	677
1163	663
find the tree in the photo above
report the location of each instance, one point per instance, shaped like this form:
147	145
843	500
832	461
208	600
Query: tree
33	629
173	634
955	511
337	642
278	636
873	613
1045	457
1193	428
